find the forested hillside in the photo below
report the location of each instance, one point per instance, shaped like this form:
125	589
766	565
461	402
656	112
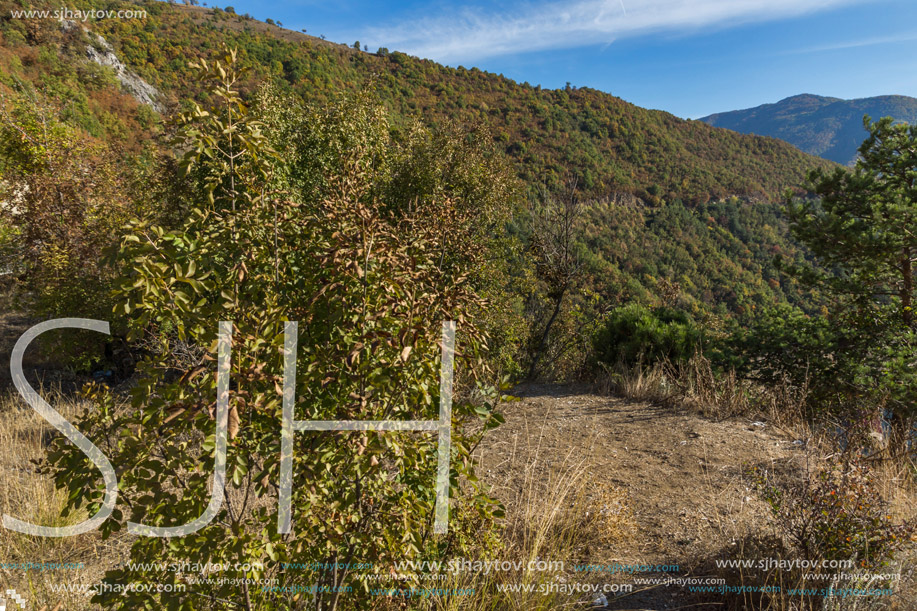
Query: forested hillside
676	201
828	127
610	144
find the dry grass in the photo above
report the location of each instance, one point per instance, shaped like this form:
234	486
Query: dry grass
610	514
32	497
639	383
691	385
746	532
556	508
695	386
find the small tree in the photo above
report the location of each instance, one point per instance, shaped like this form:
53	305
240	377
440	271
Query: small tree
310	233
860	229
557	226
859	226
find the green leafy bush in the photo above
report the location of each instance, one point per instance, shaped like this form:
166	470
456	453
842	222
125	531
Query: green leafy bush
635	334
310	233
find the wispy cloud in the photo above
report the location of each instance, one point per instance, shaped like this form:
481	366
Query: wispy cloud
471	34
855	44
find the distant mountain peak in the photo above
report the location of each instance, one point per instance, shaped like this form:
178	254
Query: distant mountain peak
820	125
802	97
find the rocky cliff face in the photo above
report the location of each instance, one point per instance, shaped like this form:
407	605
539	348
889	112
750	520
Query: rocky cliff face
103	54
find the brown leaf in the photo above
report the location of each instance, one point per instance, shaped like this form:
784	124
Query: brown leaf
191	374
233	422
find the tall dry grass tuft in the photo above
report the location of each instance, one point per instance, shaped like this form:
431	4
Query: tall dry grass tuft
692	384
31	496
698	387
639	382
555	511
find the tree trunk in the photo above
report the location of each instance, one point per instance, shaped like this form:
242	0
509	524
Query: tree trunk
907	286
544	337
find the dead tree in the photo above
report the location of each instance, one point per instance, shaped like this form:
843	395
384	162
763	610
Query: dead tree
557	225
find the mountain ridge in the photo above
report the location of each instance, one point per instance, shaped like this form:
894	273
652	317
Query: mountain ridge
829	127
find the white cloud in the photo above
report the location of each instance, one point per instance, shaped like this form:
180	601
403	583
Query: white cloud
469	35
856	44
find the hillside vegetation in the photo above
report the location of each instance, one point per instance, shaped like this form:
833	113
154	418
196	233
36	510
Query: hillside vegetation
611	144
673	200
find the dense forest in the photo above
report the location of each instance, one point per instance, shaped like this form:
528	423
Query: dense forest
613	146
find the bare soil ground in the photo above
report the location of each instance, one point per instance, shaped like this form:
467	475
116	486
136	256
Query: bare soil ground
682	475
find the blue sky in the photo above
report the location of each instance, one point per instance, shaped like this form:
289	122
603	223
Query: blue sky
689	57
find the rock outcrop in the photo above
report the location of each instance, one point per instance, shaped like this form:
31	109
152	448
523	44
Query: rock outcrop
103	54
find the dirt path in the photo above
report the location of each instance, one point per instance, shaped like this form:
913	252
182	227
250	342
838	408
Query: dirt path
682	474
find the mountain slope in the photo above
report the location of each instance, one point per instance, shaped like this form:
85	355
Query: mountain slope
828	127
676	200
612	145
